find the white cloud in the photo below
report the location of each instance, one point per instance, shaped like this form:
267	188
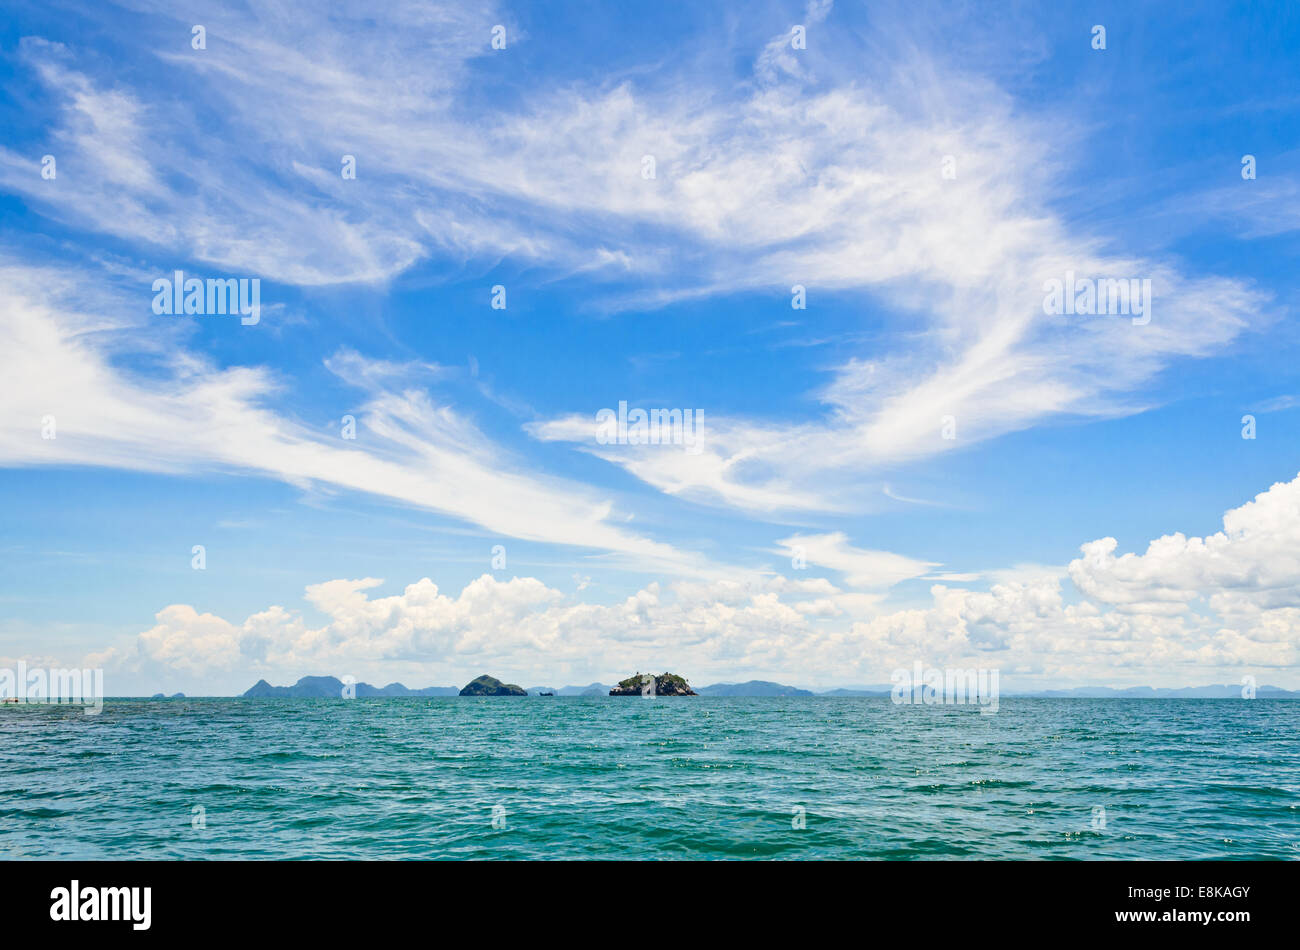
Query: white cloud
1255	559
860	567
835	186
841	191
56	360
779	58
804	629
1279	403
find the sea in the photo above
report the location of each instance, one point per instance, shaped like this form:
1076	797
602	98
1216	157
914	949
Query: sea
559	778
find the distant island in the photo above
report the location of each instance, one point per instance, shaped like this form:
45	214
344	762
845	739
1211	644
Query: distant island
668	684
331	687
491	686
643	684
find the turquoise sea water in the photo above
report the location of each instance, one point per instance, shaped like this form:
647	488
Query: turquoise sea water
660	778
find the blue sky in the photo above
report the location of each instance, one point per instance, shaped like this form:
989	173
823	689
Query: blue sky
822	428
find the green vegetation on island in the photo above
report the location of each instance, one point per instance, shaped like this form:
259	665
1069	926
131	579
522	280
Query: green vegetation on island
491	686
647	684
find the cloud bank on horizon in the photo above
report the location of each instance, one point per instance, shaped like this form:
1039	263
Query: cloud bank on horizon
1186	605
825	234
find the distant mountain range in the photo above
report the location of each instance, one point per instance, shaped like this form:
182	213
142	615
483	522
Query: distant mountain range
1154	692
329	687
753	688
1104	692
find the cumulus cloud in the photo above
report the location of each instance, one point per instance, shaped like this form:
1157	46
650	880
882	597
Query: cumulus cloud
493	623
1123	629
1254	560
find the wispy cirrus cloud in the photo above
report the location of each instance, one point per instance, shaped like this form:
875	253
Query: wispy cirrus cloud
836	185
193	417
860	567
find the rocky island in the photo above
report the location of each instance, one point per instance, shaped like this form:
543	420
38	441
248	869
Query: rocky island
647	684
491	686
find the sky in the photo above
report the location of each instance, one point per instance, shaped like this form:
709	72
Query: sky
826	233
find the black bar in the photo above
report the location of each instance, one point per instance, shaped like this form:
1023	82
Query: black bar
564	901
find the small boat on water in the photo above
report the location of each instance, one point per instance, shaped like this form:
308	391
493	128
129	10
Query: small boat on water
545	694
